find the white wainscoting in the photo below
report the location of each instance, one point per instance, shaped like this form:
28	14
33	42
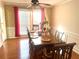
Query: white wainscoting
0	40
11	32
72	37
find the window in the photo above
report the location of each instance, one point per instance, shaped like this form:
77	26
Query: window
28	19
23	18
37	16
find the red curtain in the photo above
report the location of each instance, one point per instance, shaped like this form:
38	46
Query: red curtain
17	25
42	15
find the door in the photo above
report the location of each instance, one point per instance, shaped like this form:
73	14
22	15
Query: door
24	18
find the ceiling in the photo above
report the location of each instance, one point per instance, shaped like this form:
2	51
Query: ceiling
25	2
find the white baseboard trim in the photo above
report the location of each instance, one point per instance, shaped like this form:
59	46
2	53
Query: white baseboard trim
1	45
76	51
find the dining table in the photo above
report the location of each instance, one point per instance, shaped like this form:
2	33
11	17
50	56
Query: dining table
44	39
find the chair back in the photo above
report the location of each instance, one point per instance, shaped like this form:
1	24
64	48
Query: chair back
30	44
59	35
30	39
29	35
35	27
55	51
63	51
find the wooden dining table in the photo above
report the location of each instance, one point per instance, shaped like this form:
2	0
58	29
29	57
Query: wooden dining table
44	38
40	40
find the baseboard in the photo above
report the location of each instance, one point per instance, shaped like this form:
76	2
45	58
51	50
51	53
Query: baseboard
76	51
0	45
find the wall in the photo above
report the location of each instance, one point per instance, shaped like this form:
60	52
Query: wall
66	17
2	24
17	1
9	12
10	21
48	14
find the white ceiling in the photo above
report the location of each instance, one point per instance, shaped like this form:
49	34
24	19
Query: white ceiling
23	2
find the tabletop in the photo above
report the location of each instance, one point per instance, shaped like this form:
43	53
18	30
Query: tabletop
45	38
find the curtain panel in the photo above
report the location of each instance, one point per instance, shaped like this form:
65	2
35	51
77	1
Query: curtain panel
17	25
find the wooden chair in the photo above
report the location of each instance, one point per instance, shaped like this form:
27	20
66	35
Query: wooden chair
30	41
35	27
31	48
54	51
59	35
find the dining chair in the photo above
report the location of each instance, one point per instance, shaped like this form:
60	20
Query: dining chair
54	51
63	51
35	27
31	48
59	35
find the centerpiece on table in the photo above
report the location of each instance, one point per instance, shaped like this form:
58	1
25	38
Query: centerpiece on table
45	26
45	30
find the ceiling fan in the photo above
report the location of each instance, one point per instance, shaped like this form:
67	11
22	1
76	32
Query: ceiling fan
36	4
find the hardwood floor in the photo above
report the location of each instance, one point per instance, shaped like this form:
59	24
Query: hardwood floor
75	55
18	49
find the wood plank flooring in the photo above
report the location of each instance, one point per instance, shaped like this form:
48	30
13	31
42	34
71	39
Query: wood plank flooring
18	49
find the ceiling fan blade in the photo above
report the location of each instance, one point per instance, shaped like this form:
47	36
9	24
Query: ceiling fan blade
44	5
30	6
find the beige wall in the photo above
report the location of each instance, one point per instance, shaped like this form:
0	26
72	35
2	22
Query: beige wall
10	21
66	17
48	14
9	12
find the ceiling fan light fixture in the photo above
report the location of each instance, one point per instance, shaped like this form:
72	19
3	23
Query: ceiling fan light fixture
35	4
35	1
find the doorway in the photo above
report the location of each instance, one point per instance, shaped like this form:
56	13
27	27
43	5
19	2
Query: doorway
23	20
